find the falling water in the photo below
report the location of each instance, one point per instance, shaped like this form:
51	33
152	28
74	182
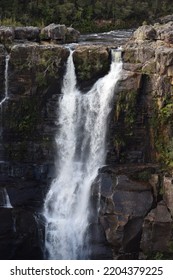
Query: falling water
7	58
2	102
81	151
4	199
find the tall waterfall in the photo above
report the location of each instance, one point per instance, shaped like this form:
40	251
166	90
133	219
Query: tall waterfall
81	151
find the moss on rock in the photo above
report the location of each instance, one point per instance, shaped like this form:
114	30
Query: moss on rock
91	62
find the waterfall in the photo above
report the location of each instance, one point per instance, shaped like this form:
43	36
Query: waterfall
81	152
4	199
7	58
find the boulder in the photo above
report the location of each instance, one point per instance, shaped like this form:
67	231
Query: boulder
30	33
164	32
6	35
55	32
72	35
145	32
157	230
165	19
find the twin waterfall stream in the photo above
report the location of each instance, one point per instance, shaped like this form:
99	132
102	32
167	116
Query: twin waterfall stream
81	148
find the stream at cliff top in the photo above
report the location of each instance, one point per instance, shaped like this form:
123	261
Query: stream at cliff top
81	151
117	37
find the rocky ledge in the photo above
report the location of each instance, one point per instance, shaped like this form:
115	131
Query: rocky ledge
57	33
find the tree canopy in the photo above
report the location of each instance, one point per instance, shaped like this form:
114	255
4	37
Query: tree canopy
86	15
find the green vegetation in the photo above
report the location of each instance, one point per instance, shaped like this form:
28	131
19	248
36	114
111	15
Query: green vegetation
125	116
162	130
86	15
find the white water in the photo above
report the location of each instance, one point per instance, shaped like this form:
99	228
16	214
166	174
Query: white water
7	58
81	151
2	102
5	200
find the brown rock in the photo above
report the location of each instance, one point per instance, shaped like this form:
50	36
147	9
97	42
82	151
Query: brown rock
164	59
164	32
154	182
168	193
145	32
129	81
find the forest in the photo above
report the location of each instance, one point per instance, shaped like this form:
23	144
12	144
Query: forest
85	15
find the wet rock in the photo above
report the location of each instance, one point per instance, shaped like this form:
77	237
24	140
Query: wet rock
99	246
157	230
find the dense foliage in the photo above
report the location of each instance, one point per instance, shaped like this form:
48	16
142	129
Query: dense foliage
86	15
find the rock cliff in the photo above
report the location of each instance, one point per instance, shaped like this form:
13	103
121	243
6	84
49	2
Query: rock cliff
141	132
135	189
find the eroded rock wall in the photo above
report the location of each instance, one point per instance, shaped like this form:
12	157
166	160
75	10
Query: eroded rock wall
135	190
141	132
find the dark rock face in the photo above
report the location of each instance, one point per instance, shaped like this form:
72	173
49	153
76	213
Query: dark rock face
28	153
29	33
123	205
157	230
21	237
